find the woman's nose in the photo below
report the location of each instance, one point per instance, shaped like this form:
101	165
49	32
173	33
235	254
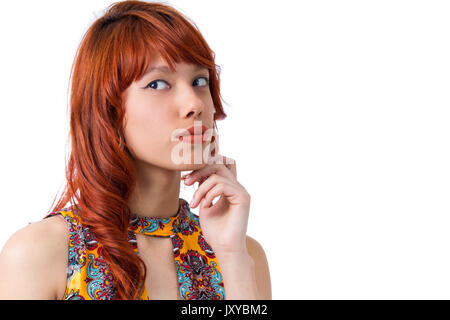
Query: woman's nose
192	105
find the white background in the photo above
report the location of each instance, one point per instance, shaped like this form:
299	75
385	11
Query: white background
338	119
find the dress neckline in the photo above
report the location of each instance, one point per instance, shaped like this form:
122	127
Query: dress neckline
181	222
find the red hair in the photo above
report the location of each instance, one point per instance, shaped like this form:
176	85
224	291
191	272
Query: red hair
116	50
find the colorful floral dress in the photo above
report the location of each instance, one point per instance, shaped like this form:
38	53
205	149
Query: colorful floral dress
88	277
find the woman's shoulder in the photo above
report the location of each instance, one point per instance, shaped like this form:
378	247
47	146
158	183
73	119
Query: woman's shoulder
262	272
33	261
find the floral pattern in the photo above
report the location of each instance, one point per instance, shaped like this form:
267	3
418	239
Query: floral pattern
198	272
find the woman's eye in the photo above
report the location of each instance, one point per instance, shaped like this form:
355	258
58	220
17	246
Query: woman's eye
206	80
153	85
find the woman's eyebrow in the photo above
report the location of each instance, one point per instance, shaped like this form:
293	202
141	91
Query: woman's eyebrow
166	69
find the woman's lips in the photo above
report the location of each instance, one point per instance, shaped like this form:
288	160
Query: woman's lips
196	138
192	138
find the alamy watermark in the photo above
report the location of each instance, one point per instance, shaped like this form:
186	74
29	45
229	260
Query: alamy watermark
204	152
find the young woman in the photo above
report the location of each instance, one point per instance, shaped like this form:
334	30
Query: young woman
144	99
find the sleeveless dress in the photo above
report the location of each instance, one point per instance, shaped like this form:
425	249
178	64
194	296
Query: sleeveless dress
198	273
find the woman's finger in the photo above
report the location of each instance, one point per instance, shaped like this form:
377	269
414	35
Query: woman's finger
214	192
203	189
202	174
230	163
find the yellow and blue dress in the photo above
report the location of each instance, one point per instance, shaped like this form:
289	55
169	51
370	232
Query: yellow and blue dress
198	272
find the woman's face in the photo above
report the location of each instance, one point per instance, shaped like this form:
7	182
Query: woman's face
162	104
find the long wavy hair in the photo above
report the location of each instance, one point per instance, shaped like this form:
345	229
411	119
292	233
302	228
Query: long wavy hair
100	175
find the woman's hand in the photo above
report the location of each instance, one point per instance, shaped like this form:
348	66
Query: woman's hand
224	224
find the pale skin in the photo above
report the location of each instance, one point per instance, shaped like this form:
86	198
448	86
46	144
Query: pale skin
33	262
